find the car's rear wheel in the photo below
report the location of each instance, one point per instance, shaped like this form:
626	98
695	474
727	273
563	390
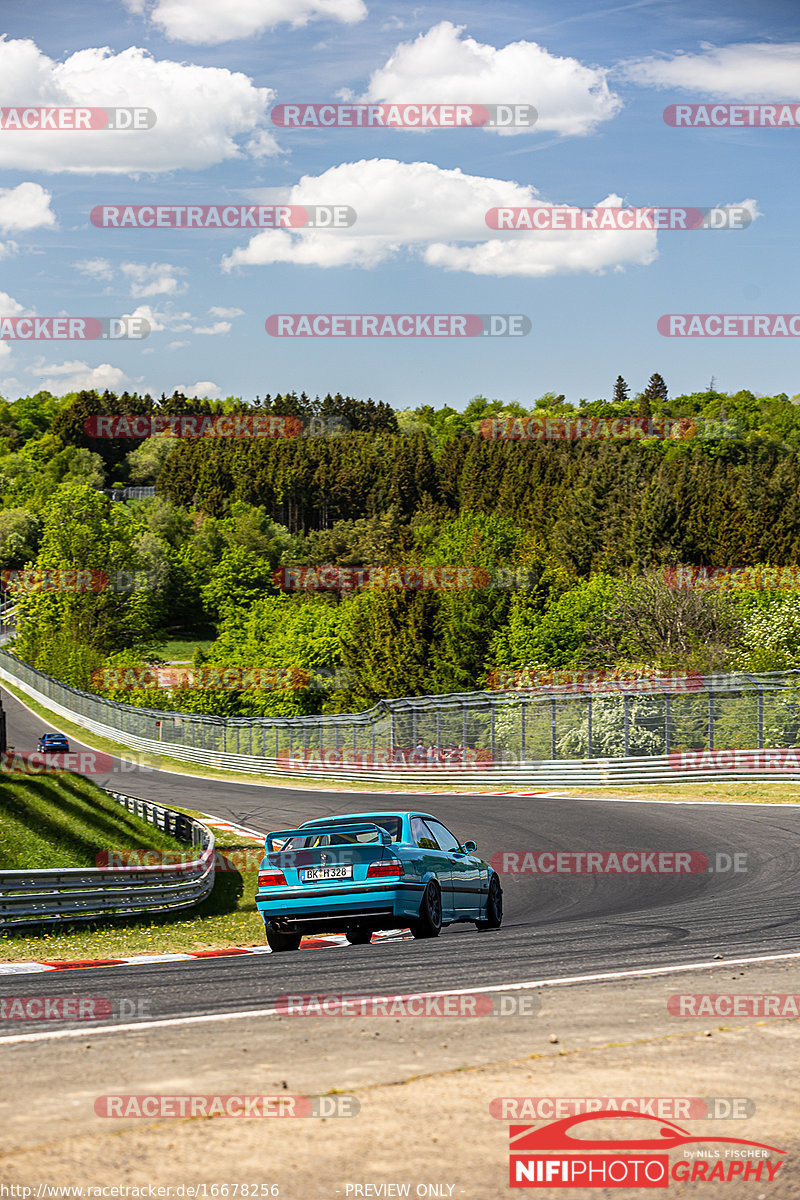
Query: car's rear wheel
429	924
278	941
357	935
494	906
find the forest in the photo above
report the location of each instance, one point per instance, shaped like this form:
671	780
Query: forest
369	553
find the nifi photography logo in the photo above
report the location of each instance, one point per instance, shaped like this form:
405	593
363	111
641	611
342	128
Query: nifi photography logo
567	1154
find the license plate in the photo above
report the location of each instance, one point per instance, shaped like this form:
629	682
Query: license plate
313	873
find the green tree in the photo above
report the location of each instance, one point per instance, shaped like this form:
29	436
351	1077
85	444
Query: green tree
237	581
67	633
19	535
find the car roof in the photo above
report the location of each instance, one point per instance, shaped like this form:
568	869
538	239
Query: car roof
373	812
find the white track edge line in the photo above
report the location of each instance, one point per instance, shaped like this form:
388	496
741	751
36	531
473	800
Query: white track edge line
208	1018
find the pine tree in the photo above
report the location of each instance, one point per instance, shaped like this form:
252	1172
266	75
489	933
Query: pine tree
656	389
621	391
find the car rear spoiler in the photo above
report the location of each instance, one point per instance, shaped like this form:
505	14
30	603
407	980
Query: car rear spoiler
283	835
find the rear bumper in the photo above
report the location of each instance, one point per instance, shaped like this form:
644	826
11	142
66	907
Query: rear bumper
299	908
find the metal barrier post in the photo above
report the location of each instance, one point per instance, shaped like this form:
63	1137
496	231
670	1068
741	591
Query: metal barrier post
667	722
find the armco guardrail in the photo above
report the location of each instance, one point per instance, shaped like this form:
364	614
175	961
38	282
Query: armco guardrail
83	894
130	493
8	621
596	738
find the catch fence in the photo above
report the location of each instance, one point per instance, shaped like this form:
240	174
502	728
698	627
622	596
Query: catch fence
637	729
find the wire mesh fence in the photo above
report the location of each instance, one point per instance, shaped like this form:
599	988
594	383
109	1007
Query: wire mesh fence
649	719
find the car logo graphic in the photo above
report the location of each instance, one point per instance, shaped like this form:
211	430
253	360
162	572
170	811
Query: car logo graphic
556	1135
323	858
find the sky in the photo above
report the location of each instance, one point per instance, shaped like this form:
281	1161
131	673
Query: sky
599	76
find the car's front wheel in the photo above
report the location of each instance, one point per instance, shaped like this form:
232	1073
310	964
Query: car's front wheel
429	924
278	941
494	906
357	935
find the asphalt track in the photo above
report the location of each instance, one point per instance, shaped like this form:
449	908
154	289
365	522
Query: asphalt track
555	927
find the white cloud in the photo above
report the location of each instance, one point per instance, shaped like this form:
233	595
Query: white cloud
217	311
76	376
9	307
166	318
747	71
177	345
158	321
200	111
153	279
25	207
207	22
217	327
205	389
439	215
444	66
5	352
95	268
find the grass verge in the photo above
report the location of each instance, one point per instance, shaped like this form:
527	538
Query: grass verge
755	791
62	820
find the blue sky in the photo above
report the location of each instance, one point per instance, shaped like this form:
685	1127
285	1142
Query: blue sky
600	76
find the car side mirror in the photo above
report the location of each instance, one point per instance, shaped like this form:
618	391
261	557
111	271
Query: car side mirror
470	847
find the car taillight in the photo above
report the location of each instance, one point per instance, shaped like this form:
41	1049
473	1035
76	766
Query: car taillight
271	879
385	867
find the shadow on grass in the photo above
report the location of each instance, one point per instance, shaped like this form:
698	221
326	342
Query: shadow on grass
60	811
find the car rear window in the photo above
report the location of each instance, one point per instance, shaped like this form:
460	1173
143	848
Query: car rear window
391	824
